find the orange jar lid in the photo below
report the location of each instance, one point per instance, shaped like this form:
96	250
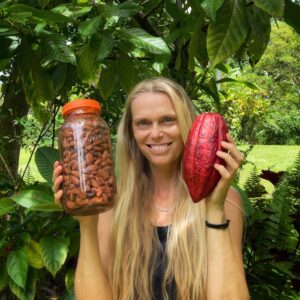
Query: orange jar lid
81	103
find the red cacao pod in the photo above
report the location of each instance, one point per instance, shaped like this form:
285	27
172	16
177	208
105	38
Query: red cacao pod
199	156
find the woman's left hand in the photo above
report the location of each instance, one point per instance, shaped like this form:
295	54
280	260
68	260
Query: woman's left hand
233	159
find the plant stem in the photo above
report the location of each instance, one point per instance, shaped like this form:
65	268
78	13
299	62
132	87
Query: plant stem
8	172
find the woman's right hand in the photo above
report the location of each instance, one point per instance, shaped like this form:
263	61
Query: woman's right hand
57	180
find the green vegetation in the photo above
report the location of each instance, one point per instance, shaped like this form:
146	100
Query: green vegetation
240	58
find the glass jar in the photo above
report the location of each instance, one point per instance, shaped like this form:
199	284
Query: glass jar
86	159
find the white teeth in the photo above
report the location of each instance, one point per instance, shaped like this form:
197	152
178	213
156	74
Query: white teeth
159	147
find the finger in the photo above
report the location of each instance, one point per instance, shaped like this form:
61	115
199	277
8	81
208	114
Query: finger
57	171
57	183
231	163
234	151
225	174
57	197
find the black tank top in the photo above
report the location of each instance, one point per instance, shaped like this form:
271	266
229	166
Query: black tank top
162	233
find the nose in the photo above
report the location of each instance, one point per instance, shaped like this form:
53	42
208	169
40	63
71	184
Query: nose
156	131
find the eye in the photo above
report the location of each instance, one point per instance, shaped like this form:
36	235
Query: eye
168	120
143	123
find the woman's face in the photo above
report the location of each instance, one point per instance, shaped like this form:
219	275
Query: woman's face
156	129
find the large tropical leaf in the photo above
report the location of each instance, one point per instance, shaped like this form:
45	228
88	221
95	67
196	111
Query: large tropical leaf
108	79
30	289
128	73
17	267
86	67
291	15
274	7
35	200
36	82
101	45
44	159
197	45
72	10
125	9
33	251
56	48
228	33
54	252
141	39
36	16
211	7
89	27
259	36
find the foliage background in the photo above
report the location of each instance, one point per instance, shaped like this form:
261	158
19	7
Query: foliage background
56	50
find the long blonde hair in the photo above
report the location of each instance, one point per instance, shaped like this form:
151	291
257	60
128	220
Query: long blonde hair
134	238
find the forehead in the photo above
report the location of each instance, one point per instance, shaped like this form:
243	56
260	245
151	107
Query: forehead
152	104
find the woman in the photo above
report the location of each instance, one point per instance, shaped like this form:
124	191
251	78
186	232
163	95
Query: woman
155	243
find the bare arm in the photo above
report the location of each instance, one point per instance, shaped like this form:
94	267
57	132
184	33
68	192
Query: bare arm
225	277
91	280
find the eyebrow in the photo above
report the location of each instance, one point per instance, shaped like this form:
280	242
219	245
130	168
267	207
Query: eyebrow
173	115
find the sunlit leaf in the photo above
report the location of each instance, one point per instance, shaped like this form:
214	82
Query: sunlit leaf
56	48
89	27
54	252
33	251
72	10
145	41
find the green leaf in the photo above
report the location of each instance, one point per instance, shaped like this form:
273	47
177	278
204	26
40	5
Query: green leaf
247	83
291	15
17	267
56	48
33	251
197	46
274	7
21	17
35	200
128	74
3	277
29	292
59	77
108	79
259	36
6	205
38	15
89	27
54	252
44	159
71	10
228	33
86	68
210	7
69	279
125	9
36	82
101	45
145	41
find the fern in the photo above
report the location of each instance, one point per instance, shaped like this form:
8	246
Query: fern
252	186
29	178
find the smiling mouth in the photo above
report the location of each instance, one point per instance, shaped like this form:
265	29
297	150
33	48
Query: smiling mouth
159	147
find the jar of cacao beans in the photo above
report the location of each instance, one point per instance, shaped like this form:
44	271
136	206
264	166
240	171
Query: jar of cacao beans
86	159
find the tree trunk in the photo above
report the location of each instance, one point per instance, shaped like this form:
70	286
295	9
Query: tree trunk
14	106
